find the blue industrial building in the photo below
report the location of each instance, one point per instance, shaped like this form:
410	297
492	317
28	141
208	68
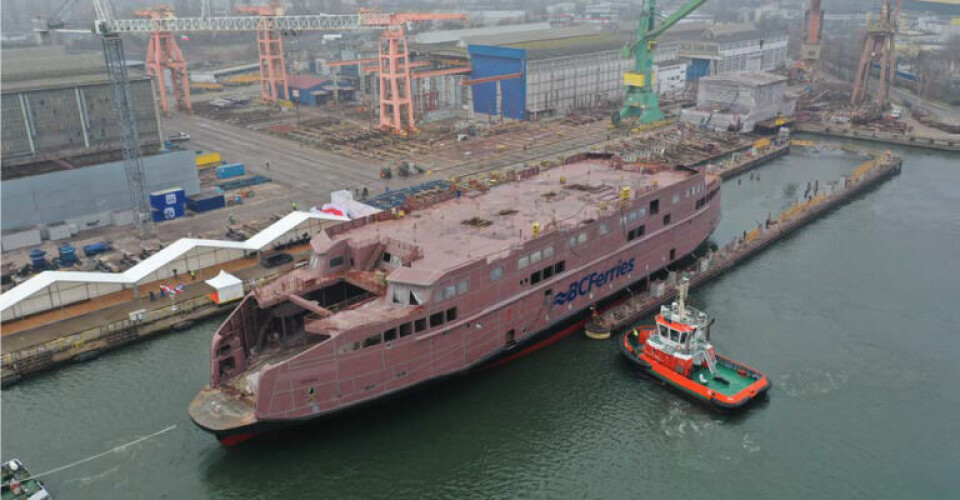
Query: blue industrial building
490	60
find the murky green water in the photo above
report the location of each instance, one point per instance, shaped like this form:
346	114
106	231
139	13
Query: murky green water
853	318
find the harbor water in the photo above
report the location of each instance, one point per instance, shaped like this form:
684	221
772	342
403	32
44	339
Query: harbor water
853	318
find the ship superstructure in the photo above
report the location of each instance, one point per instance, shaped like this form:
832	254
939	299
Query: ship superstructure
394	300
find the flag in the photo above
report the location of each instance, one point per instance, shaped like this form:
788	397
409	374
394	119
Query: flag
185	38
179	288
332	209
171	290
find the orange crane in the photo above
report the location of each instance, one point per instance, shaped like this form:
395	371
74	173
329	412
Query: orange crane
163	54
810	51
273	66
879	46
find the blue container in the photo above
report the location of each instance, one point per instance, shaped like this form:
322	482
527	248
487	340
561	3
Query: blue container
68	255
96	248
205	203
38	258
232	170
168	197
167	213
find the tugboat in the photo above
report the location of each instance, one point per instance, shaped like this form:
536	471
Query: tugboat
678	352
19	484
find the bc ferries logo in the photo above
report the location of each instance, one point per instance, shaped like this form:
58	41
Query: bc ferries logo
584	285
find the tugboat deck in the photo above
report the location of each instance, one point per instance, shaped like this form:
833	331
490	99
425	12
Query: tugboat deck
737	382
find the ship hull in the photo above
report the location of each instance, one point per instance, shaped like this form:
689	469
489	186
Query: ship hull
523	347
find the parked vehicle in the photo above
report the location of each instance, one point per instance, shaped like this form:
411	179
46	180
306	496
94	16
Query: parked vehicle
179	137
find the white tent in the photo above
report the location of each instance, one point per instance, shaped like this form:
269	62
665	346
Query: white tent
228	287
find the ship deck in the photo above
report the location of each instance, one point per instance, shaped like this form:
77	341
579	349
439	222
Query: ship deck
737	382
490	223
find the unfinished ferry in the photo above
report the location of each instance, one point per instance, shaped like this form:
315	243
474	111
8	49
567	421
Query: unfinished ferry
456	280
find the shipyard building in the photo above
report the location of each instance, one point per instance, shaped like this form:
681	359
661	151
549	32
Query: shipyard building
62	168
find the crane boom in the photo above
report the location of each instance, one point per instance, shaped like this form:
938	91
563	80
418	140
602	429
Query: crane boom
652	33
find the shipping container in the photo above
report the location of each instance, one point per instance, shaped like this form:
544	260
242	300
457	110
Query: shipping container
206	202
168	197
208	160
232	170
167	213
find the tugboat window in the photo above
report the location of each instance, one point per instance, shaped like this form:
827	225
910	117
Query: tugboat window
674	336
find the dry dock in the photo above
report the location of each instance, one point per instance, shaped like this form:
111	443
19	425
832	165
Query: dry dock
863	178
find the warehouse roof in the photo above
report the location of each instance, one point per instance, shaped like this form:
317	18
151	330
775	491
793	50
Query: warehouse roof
721	33
50	67
746	78
454	36
558	42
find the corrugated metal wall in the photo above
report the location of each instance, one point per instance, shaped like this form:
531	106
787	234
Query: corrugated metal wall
56	119
489	60
95	190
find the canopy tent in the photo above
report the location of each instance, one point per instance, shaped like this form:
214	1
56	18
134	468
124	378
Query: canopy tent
227	287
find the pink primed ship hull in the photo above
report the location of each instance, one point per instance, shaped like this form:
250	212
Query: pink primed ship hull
498	320
340	382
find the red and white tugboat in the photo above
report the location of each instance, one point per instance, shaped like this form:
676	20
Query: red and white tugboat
678	352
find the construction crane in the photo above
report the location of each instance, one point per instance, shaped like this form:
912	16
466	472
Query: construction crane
810	51
43	26
641	97
879	46
269	21
116	63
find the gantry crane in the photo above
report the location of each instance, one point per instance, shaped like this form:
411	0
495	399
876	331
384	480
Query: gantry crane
396	109
641	97
810	51
879	46
163	54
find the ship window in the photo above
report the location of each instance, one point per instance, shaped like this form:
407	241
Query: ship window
582	237
436	319
673	254
632	235
572	241
643	211
536	257
396	297
535	278
372	340
463	287
654	207
452	314
390	335
449	291
560	267
632	217
415	298
666	219
602	228
336	262
420	325
641	230
676	197
405	329
523	262
674	336
683	338
548	252
496	273
547	272
387	257
314	261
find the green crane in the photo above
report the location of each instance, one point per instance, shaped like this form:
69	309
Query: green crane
641	99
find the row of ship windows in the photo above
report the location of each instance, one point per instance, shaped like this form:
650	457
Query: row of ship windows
417	326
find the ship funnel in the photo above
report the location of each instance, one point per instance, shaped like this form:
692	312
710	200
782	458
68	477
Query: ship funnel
536	229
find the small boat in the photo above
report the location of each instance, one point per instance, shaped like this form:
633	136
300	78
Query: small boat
678	352
19	484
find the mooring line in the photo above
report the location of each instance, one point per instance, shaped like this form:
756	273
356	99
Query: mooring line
115	449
